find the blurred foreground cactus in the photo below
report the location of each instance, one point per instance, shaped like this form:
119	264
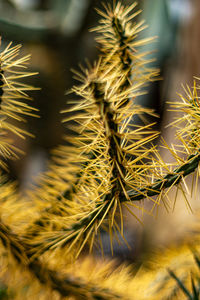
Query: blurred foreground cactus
110	164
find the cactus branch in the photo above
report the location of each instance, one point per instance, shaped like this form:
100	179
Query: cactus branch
168	180
65	285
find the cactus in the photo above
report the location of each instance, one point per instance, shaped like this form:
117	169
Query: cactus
111	164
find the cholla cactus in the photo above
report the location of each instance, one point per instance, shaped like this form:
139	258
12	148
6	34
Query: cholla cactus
111	164
12	91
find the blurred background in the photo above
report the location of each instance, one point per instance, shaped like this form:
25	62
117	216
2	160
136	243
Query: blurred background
56	34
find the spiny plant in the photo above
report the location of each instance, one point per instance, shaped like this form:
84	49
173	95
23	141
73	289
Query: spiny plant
110	165
12	91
